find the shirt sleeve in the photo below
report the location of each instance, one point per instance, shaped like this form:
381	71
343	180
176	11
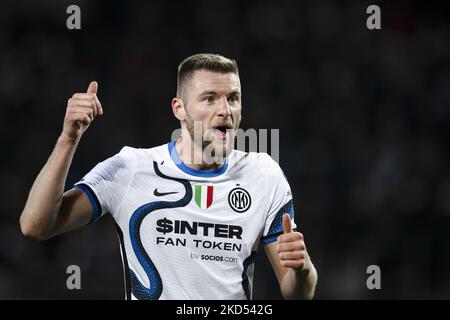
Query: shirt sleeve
279	202
107	183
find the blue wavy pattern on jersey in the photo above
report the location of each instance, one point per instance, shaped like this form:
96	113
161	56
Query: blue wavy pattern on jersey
154	291
245	281
277	222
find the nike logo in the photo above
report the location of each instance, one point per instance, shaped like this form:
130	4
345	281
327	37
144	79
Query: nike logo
160	194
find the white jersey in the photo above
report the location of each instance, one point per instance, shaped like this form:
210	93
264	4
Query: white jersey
186	233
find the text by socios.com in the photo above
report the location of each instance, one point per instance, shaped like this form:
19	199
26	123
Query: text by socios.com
218	258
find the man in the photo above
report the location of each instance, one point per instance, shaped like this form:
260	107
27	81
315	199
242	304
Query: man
191	213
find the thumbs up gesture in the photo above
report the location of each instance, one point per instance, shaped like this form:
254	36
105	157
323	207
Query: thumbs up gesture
81	110
291	248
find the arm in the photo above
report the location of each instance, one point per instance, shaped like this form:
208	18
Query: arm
48	211
292	265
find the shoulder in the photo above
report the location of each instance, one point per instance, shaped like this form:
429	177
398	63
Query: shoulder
126	158
259	163
132	153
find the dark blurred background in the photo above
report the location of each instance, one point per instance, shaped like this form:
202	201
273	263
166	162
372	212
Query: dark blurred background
364	119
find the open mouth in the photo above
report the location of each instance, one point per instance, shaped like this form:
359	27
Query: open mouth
220	131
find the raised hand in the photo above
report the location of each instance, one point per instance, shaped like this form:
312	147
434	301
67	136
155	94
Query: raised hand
291	248
81	110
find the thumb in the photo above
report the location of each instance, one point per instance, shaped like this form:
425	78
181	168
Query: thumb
287	224
92	87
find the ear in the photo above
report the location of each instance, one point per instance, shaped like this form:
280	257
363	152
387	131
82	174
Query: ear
178	109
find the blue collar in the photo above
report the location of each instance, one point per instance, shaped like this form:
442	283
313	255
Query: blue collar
194	172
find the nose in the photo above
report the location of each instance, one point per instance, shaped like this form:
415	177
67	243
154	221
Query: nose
224	108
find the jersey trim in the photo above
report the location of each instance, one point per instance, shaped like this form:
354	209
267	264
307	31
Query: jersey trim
246	285
139	290
271	238
126	268
194	172
97	209
276	227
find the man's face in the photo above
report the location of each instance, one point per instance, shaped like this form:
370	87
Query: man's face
213	110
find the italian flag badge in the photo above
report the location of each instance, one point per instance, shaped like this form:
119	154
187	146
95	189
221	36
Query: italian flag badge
203	195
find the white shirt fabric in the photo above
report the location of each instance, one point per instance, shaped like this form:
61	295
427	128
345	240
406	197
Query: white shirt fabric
186	233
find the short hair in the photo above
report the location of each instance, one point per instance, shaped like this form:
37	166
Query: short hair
203	61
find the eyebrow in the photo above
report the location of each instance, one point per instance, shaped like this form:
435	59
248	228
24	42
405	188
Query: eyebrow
214	93
210	92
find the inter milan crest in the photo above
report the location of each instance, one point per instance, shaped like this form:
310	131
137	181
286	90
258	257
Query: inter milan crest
239	199
203	196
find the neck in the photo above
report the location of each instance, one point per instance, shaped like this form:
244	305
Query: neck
192	155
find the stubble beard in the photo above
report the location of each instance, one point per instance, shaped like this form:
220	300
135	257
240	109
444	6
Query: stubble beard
210	153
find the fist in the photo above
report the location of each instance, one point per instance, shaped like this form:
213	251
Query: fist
291	248
81	110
